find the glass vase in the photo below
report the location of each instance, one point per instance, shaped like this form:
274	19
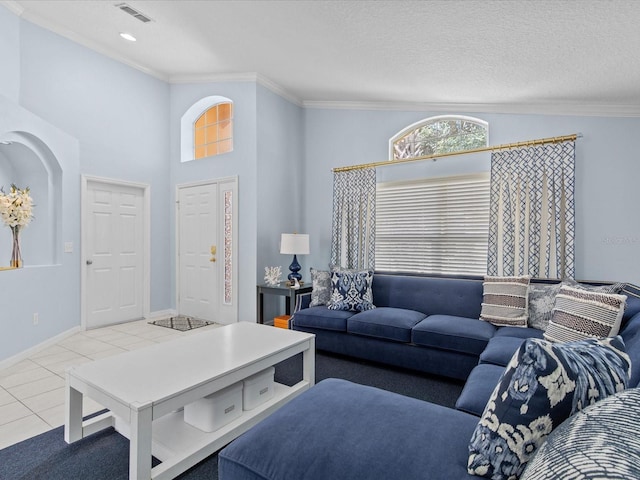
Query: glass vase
16	255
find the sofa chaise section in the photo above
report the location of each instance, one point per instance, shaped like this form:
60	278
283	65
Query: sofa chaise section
373	435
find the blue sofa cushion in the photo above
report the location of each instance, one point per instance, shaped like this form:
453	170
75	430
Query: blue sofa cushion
542	386
351	290
385	322
429	295
322	317
500	350
602	441
519	332
459	334
342	430
478	388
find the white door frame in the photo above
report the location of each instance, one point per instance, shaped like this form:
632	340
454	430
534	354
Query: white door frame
146	240
234	241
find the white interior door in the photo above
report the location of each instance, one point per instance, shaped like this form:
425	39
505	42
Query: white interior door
207	270
114	253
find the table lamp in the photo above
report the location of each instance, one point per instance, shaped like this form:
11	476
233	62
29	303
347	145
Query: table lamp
294	244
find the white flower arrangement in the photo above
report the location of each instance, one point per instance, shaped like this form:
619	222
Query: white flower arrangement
16	207
272	275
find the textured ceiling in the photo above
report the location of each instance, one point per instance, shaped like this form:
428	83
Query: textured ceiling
562	54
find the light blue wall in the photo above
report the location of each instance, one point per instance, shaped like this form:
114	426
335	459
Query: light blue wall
52	291
241	162
117	119
10	54
607	173
120	117
280	165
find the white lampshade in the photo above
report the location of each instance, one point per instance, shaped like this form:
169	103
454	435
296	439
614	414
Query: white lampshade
294	244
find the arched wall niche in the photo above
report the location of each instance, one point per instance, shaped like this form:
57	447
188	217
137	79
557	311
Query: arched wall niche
27	161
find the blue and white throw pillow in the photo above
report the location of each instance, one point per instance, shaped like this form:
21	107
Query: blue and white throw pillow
351	291
601	441
542	386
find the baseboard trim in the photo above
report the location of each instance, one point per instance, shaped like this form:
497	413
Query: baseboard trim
8	362
161	314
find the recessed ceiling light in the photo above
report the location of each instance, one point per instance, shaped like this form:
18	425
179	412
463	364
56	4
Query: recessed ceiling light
128	36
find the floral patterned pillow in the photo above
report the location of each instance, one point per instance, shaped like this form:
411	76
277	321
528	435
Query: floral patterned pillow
321	287
543	385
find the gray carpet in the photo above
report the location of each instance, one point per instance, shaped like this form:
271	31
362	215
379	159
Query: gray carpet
105	455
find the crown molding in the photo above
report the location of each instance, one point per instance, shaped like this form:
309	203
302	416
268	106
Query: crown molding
279	90
238	77
13	7
568	109
214	78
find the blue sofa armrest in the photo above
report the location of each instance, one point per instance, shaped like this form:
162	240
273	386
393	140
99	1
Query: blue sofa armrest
302	302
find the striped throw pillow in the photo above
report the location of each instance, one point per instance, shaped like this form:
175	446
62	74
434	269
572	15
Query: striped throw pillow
505	301
581	314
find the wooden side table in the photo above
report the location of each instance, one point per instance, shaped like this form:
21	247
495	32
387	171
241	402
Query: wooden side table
284	291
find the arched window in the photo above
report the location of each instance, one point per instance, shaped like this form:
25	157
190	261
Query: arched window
440	224
207	128
435	135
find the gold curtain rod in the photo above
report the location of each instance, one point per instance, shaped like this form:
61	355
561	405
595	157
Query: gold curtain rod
506	146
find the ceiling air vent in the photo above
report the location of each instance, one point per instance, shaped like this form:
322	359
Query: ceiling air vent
133	12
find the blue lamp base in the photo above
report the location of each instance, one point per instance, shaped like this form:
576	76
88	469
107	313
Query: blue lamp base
294	268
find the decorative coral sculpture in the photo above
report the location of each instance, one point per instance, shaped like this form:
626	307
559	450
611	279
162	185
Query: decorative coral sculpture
272	275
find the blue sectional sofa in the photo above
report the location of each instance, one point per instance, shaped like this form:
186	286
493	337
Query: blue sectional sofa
429	324
342	430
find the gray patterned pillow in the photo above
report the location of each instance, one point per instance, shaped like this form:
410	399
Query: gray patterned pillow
601	441
542	299
321	287
613	288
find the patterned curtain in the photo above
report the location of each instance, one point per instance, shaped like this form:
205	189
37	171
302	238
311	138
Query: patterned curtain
531	228
354	219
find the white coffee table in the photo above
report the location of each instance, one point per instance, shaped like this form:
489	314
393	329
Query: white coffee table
145	390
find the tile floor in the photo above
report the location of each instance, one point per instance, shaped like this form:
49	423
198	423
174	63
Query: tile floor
32	391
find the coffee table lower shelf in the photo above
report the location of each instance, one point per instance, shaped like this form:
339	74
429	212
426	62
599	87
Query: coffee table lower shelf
179	445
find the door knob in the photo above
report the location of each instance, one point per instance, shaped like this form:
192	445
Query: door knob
89	262
212	259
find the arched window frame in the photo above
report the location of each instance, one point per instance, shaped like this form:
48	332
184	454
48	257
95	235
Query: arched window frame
188	121
431	120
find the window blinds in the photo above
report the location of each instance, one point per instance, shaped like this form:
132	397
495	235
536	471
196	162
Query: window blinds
433	225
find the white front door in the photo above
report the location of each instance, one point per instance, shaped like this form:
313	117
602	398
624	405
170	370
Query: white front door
114	253
206	253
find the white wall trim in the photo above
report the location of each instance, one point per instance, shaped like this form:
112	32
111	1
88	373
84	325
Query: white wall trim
583	110
146	205
23	355
158	314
